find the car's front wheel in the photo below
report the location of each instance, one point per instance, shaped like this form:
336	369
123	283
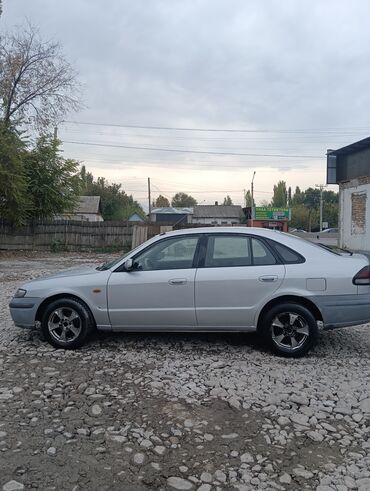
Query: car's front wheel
67	323
289	329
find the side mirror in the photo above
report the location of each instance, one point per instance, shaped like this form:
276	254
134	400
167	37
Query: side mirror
129	264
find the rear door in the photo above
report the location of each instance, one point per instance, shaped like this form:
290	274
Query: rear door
238	272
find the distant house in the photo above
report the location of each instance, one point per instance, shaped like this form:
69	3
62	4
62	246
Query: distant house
135	217
171	215
88	210
350	168
217	214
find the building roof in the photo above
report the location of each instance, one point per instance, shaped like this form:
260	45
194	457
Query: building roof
349	162
89	204
135	217
218	211
352	148
172	211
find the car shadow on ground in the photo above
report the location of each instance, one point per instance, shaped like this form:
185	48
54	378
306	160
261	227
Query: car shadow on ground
194	340
349	342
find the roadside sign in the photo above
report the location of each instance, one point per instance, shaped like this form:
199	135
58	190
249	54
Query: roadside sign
269	213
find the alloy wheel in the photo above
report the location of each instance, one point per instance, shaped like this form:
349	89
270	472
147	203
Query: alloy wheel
64	325
289	331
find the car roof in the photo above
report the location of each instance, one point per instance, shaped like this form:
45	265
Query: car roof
299	244
216	230
263	232
308	249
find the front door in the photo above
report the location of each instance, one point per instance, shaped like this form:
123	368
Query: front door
238	273
158	293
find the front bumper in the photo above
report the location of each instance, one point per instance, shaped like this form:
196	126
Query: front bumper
23	311
343	310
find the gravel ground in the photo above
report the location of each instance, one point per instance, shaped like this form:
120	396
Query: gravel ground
201	412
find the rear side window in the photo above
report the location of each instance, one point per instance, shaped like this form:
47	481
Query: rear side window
262	256
287	255
224	251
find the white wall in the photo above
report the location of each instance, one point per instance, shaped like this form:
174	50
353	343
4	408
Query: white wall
359	242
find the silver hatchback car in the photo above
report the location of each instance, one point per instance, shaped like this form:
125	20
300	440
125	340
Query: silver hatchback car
202	280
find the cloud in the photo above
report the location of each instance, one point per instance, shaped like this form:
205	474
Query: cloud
236	64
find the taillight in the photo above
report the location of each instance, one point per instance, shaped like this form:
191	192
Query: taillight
362	277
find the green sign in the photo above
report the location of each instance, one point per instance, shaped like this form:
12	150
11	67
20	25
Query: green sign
267	213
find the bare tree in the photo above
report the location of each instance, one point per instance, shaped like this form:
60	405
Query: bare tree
37	84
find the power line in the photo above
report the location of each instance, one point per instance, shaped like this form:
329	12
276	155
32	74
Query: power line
203	152
162	193
226	130
149	161
196	191
270	139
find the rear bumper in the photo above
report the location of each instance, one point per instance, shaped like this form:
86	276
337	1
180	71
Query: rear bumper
23	311
343	310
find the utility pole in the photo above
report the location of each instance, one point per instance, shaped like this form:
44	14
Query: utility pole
244	199
150	201
321	187
55	133
252	207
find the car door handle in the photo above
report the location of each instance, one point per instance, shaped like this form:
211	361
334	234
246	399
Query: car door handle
177	281
268	279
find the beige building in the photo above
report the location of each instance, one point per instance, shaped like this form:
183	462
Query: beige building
217	214
88	210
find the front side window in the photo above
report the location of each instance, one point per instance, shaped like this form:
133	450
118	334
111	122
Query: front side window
176	253
223	251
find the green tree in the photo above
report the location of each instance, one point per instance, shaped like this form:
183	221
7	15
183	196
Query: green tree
248	200
298	197
330	208
14	199
312	200
289	200
279	199
53	182
304	218
116	204
227	201
330	197
306	205
183	200
161	202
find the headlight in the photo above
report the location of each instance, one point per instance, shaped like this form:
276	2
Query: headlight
20	293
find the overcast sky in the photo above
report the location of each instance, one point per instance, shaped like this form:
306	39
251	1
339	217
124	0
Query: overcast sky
295	72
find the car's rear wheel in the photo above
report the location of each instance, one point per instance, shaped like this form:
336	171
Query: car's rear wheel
67	323
289	329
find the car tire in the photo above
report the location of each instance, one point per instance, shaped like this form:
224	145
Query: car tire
67	323
289	329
